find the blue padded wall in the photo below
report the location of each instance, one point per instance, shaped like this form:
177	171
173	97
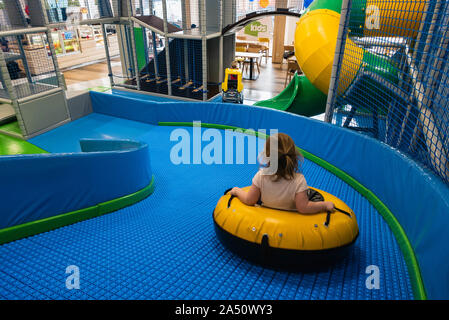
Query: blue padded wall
44	185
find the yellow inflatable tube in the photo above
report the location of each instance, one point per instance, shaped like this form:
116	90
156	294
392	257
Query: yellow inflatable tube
285	238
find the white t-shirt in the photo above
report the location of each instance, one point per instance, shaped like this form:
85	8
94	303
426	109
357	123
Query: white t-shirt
279	194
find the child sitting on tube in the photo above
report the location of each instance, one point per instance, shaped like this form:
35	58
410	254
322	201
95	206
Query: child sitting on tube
286	189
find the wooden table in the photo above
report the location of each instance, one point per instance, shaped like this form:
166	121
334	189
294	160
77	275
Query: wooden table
251	56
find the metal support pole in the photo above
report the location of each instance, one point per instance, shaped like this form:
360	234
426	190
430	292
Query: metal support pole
150	6
86	5
131	9
59	76
141	7
433	138
410	60
203	46
338	59
220	49
11	92
184	41
156	70
108	56
24	59
43	4
117	8
167	47
146	50
134	54
153	39
16	32
415	72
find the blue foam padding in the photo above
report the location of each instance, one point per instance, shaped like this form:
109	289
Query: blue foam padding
217	98
149	97
418	199
44	185
95	126
165	247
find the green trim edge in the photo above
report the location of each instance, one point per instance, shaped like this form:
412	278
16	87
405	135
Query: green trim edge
407	250
34	227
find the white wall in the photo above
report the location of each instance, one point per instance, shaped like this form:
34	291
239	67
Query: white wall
290	27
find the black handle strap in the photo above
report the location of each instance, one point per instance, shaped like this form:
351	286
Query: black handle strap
328	216
230	199
328	219
343	211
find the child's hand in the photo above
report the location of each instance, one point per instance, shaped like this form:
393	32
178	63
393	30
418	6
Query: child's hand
329	206
234	191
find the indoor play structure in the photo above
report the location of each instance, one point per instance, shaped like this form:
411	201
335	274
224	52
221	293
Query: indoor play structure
315	41
191	62
380	65
184	61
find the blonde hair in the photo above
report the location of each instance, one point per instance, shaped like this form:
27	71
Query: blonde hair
289	158
234	65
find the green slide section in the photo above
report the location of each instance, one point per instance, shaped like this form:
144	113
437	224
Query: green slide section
11	146
140	47
333	5
300	97
11	127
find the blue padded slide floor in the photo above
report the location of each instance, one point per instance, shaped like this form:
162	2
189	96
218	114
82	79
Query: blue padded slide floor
165	247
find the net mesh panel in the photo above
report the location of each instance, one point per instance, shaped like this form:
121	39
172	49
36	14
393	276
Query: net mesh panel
182	52
122	59
113	47
12	15
30	66
393	82
185	55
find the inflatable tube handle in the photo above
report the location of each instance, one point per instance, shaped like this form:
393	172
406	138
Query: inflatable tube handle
343	211
230	199
229	202
328	219
328	216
